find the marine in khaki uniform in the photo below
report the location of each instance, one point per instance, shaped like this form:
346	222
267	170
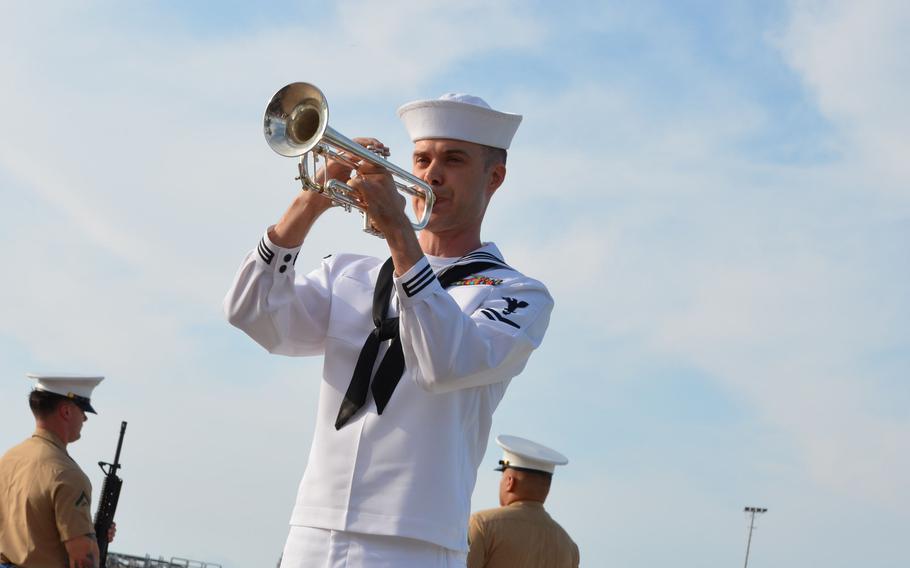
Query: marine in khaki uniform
45	498
520	533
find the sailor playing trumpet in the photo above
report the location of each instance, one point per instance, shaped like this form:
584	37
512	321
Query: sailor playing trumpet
418	349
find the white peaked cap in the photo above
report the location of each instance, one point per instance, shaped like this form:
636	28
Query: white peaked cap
75	387
458	116
520	453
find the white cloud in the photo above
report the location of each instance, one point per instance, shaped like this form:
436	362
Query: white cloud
852	57
758	275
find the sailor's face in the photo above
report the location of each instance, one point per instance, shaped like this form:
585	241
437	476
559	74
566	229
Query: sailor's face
461	181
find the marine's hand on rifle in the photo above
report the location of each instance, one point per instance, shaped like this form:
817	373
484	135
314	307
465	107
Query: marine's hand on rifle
82	551
111	532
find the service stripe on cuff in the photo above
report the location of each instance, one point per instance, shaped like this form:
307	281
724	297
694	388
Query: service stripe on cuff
265	253
419	281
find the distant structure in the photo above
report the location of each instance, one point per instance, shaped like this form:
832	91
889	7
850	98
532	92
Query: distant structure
751	511
117	560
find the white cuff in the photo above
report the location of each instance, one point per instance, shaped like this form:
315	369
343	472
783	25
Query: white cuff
417	283
280	259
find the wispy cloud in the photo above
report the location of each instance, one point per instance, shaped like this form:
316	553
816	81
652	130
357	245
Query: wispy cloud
852	58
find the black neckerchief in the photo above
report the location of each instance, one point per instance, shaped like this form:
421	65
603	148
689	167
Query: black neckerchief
392	365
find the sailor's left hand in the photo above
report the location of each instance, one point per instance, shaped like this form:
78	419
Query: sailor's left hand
377	193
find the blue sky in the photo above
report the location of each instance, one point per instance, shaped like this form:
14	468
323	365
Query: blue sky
717	195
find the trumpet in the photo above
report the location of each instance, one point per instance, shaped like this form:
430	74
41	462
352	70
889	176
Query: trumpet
296	124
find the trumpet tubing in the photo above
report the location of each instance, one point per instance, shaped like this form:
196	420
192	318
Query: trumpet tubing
296	124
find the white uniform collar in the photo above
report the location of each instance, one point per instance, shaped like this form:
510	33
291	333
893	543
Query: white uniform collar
486	251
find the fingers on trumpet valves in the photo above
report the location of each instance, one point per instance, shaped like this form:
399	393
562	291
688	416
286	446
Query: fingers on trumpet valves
373	145
365	168
379	149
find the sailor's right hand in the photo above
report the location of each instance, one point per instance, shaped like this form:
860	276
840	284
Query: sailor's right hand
308	205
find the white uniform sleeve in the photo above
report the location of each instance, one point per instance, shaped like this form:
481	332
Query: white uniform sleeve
452	350
284	317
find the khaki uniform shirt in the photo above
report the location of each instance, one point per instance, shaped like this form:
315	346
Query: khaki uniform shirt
519	535
45	499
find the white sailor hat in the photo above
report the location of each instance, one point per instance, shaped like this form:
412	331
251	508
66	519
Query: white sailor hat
78	388
525	455
459	117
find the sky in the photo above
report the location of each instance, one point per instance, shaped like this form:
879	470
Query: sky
716	194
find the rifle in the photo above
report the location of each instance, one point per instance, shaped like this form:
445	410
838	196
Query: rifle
107	505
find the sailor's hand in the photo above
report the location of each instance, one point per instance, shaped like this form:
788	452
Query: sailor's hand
385	207
375	189
341	171
307	206
318	203
111	532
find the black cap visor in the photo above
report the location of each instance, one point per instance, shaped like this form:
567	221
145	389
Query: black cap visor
82	402
503	465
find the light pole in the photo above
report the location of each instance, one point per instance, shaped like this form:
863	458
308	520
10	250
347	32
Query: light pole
752	512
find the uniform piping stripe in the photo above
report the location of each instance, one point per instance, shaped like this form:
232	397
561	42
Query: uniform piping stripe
418	279
461	262
494	315
482	255
265	253
421	287
419	282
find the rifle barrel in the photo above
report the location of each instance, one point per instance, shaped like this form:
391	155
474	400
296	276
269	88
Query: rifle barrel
119	445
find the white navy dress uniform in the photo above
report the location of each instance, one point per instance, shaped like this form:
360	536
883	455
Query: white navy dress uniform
408	469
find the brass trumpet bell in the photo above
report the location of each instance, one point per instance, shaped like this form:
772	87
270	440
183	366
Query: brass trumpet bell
296	119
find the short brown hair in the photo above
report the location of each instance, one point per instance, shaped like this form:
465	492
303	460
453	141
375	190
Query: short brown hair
44	403
493	156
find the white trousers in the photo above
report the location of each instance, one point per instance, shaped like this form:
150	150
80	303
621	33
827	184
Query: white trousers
309	547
